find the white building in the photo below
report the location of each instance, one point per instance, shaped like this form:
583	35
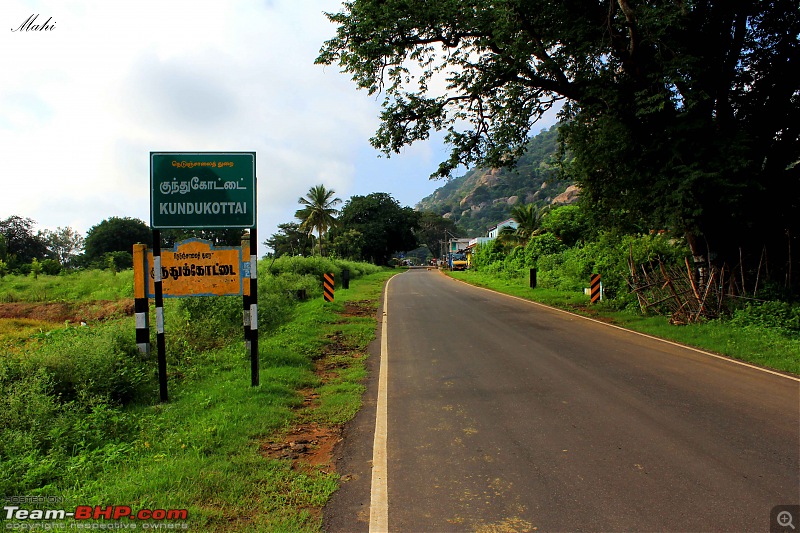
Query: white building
494	231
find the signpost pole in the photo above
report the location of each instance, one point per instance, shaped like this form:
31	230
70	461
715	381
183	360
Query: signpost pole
159	297
246	293
254	372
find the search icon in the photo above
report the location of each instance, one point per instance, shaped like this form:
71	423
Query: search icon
785	519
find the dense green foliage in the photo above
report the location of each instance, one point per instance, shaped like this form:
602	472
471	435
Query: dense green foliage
115	234
61	399
20	245
384	225
290	240
678	115
569	268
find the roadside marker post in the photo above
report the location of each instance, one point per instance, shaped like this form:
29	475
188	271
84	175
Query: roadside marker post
140	301
327	286
595	288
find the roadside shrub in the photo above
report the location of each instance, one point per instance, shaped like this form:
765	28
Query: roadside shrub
569	269
216	315
277	296
569	223
775	315
100	361
608	256
544	244
51	267
514	263
56	417
487	254
315	266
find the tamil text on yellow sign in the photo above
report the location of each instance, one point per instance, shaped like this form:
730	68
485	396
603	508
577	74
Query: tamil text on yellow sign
195	268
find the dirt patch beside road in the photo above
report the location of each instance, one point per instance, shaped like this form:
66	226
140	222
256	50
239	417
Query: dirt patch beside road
67	311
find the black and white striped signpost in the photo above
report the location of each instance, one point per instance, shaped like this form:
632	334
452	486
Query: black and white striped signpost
161	348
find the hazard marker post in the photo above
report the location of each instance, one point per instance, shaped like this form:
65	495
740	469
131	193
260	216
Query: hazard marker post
595	288
327	286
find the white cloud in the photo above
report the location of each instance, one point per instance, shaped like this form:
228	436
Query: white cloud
85	103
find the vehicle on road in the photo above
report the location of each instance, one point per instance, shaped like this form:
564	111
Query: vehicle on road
458	261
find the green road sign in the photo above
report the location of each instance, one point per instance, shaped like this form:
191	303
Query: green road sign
202	190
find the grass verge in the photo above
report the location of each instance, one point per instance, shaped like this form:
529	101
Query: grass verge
763	346
230	454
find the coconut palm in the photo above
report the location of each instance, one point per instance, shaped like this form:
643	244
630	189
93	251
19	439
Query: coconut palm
528	218
319	211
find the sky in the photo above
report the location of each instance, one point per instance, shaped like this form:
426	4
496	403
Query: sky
83	103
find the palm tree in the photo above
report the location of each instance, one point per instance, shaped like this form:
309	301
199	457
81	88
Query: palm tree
318	213
528	218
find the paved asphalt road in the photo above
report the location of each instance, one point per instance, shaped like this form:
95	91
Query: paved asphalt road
507	416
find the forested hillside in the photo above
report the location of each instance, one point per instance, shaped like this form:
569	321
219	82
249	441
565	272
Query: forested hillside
483	197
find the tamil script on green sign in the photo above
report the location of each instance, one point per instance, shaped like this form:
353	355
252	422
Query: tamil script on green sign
202	190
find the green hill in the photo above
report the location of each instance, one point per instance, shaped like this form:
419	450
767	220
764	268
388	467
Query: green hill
483	197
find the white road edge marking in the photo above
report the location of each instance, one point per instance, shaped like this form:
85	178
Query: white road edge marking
379	498
728	359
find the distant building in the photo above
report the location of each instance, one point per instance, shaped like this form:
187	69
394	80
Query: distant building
494	231
457	245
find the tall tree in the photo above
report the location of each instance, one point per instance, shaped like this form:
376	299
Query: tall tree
319	211
386	227
22	243
290	240
65	243
433	229
683	115
349	244
115	234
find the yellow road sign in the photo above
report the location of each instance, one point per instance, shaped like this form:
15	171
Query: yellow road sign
196	268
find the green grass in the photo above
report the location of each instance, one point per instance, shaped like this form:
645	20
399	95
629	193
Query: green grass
202	450
82	286
769	347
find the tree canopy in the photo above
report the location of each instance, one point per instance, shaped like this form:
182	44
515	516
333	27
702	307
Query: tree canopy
382	223
20	243
290	240
217	236
65	244
115	234
683	115
433	229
